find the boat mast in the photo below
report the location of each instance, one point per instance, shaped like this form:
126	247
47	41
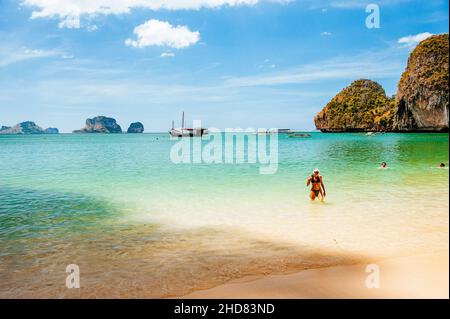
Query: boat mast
182	121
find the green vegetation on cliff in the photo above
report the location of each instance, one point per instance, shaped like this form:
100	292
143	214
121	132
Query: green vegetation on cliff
421	103
362	106
423	90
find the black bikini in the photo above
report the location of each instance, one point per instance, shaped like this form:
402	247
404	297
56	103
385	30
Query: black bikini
315	181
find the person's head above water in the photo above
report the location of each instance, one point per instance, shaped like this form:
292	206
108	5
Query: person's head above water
384	164
442	165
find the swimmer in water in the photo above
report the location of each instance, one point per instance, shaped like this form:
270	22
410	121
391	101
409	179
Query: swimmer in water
317	185
384	165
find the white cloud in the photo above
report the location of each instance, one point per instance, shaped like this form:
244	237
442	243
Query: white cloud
161	33
411	40
326	34
69	12
11	55
70	23
92	28
349	4
167	55
267	64
371	66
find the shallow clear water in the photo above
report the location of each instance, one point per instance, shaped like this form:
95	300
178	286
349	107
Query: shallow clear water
139	225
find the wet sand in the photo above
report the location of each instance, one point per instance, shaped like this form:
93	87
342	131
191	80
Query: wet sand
421	276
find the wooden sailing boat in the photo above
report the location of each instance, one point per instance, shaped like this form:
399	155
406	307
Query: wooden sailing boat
186	132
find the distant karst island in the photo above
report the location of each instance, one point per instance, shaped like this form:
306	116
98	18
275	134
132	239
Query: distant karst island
103	124
99	124
136	127
27	128
421	103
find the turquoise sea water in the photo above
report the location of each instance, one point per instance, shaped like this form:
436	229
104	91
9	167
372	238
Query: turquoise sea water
139	225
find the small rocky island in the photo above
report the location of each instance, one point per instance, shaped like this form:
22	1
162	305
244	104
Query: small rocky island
361	107
51	130
101	124
421	104
27	127
136	127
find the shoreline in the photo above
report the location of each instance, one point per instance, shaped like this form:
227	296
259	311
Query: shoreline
417	276
299	131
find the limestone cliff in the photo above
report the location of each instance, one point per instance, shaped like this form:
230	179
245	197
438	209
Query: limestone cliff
136	127
423	90
361	107
100	124
22	128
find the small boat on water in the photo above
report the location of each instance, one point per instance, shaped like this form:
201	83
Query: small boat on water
264	132
294	134
187	132
272	131
281	130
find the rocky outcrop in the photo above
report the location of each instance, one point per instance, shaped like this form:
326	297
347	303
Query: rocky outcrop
51	130
136	127
423	90
421	104
22	128
361	107
100	124
27	128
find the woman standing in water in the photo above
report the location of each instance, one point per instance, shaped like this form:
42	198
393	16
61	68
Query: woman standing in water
317	185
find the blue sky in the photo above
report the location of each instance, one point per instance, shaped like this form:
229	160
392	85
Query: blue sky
229	63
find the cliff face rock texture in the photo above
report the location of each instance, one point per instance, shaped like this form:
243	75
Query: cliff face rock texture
423	90
101	124
22	128
136	127
361	107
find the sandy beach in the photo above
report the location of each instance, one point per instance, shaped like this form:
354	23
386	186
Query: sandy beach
421	276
